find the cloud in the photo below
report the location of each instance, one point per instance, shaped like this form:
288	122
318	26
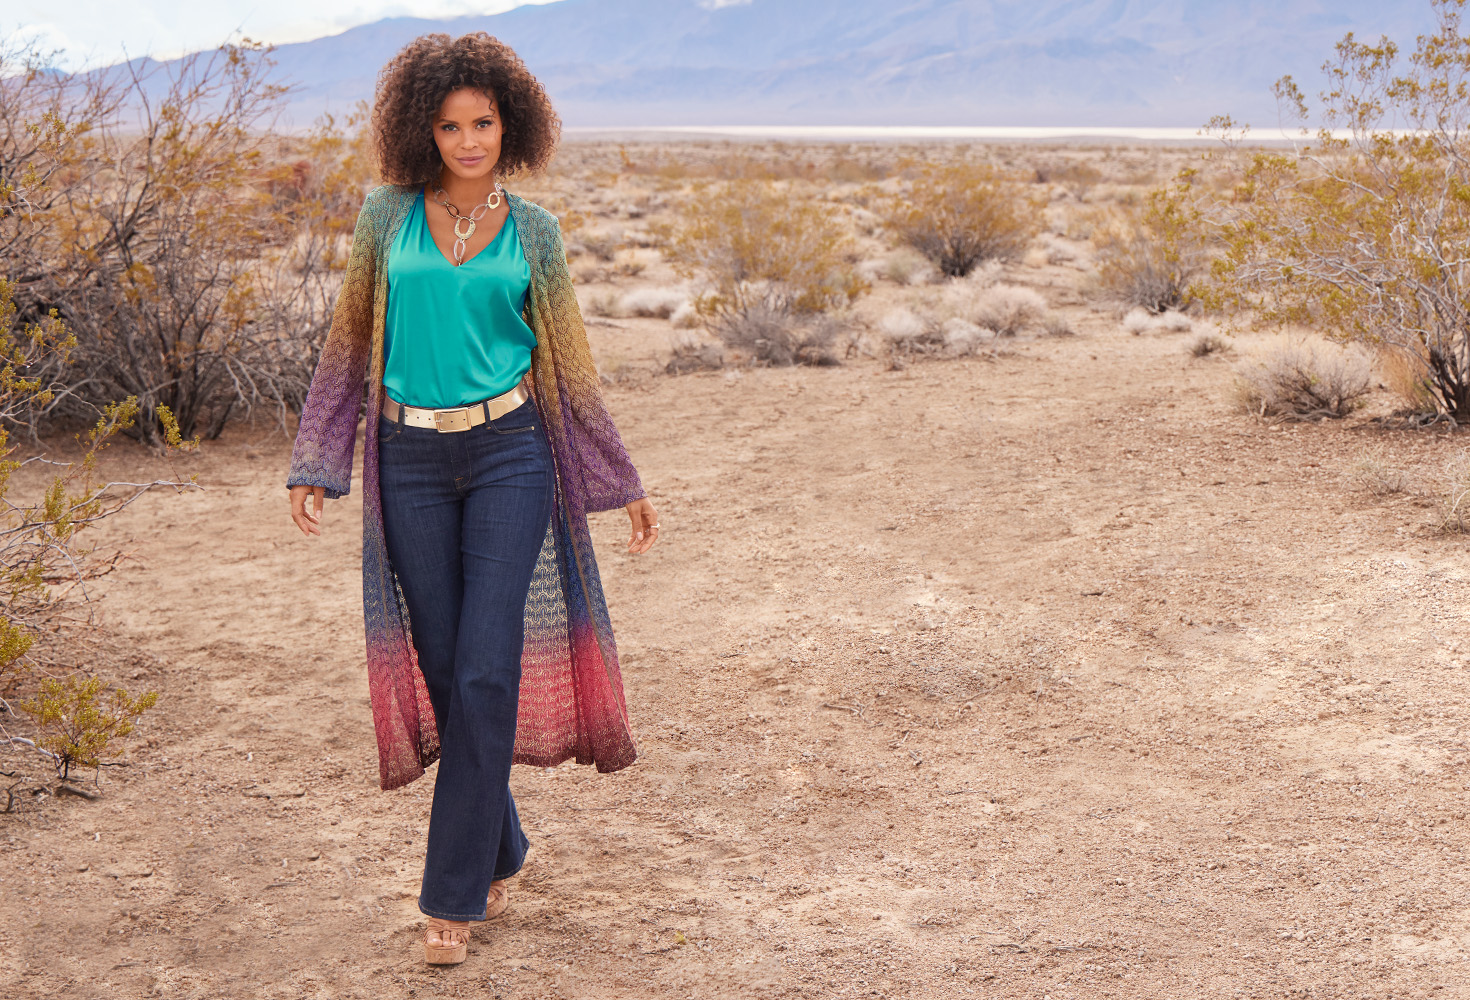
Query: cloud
100	32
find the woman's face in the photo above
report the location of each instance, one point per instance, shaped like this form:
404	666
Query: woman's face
467	132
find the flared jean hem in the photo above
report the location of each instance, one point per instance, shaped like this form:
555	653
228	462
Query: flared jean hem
497	877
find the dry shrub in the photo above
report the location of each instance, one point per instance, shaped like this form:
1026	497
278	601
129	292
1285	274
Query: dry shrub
657	302
604	304
685	317
1210	344
1077	177
1405	370
1035	257
1362	233
195	257
1139	321
869	270
959	215
1056	325
781	338
1060	254
629	267
1083	224
648	239
776	264
902	324
902	266
689	354
864	221
1304	381
965	317
1151	258
1451	494
985	275
962	337
1374	473
1006	309
585	272
905	333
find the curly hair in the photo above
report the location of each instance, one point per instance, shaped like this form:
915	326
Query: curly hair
414	83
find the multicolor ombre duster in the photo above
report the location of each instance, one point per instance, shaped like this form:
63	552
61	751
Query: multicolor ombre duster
571	698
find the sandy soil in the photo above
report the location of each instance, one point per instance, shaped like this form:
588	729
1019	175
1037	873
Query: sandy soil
1042	674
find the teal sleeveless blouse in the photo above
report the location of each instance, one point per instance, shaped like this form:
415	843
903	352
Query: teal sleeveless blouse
454	335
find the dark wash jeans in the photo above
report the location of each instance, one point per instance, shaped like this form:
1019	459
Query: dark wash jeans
464	514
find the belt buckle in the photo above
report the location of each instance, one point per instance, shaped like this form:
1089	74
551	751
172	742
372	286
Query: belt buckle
457	419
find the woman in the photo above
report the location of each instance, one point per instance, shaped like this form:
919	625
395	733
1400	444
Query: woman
488	639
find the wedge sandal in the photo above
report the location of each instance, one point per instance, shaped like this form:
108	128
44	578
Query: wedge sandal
453	944
498	899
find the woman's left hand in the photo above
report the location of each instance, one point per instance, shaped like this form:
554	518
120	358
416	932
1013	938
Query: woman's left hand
645	525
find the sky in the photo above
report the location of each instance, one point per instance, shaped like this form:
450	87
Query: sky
101	32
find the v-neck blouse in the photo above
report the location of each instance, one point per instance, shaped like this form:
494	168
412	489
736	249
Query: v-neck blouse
454	334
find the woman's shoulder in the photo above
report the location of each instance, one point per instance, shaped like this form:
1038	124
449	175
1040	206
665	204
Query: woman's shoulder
389	195
542	220
382	206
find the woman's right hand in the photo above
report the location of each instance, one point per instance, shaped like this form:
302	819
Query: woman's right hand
309	521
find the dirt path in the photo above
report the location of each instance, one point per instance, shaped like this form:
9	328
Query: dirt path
1045	676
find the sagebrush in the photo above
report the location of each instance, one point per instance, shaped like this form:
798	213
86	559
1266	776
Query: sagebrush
776	265
962	214
1305	381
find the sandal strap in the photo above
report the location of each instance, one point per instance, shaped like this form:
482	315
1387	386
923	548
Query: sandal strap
446	927
498	898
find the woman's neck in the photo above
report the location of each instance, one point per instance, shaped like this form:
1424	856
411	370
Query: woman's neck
465	192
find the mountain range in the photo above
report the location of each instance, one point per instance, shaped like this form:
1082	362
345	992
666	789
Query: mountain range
1130	63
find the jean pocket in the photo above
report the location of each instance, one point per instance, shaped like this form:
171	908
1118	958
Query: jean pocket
387	429
521	420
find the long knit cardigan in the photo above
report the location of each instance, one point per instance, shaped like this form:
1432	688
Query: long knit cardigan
571	696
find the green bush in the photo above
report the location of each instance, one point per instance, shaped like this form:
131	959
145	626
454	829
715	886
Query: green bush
79	726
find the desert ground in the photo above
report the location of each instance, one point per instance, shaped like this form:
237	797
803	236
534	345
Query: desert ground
1043	671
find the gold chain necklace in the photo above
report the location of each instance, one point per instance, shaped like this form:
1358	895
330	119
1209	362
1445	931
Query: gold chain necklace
492	201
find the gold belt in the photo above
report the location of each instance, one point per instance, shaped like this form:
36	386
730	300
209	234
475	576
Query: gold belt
456	418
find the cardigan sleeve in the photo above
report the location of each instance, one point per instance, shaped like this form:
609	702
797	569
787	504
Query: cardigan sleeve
608	478
327	432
